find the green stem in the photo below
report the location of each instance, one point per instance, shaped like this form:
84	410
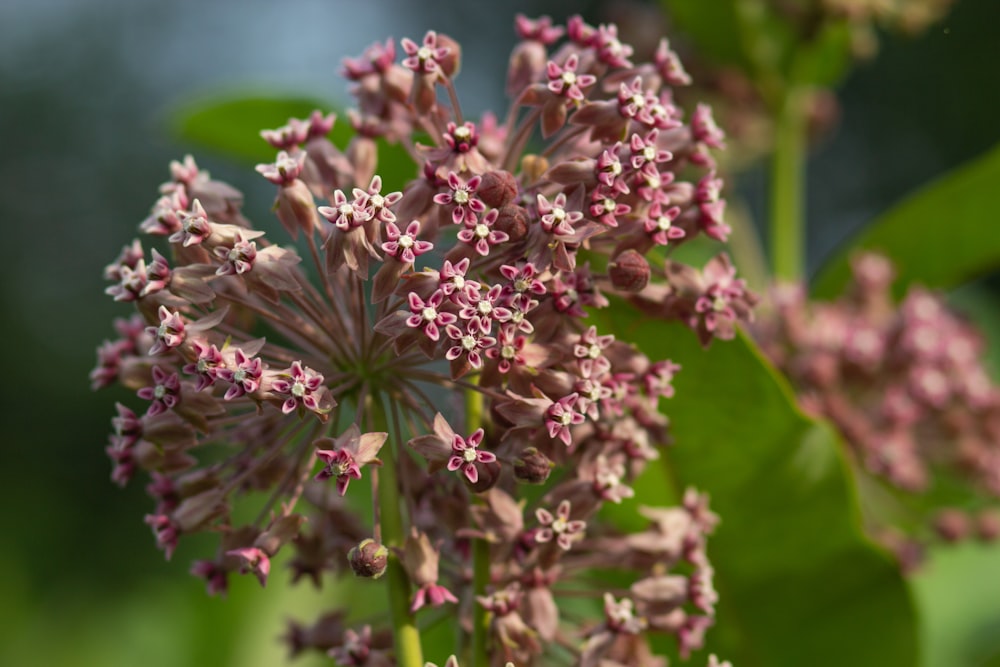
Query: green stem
405	635
480	552
788	170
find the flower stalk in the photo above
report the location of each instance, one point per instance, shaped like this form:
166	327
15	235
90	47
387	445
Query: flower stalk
788	178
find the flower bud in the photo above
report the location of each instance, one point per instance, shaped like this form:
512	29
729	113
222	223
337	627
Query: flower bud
533	167
532	467
988	525
952	525
513	221
368	559
452	62
629	271
498	188
489	474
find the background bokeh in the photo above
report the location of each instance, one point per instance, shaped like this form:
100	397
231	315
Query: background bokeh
86	93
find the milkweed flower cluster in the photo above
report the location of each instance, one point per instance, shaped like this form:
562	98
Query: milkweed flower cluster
904	384
442	345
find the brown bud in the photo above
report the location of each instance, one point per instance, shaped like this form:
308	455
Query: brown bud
952	525
498	188
489	474
368	559
532	467
513	221
629	271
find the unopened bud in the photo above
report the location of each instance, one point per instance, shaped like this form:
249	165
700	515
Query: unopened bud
533	167
513	221
498	188
452	62
952	525
629	271
368	559
988	525
532	467
489	474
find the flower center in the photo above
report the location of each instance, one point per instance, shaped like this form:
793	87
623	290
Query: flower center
405	241
508	352
461	197
649	152
160	391
559	525
469	455
298	389
429	314
424	53
718	304
569	78
468	342
482	231
240	375
663	223
346	210
594	352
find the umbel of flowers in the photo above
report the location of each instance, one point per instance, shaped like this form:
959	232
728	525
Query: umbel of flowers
440	350
906	386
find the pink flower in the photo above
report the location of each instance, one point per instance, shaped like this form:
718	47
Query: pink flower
405	246
559	526
467	455
303	386
481	235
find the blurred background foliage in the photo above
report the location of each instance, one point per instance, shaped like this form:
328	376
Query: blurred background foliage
87	90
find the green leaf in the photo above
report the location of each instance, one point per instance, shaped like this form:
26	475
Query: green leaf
230	124
715	26
959	594
798	582
941	236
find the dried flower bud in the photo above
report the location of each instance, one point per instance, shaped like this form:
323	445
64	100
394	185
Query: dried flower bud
368	559
629	271
497	188
532	467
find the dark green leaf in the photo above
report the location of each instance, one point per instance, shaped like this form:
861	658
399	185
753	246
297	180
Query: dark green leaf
231	124
714	26
940	237
799	584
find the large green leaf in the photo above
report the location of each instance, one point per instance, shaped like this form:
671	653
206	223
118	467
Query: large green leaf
940	237
230	124
959	592
799	584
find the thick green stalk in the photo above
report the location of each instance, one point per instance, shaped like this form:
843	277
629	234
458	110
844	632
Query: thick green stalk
788	169
405	634
480	552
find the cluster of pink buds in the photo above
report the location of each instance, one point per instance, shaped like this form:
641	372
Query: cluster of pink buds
438	348
906	387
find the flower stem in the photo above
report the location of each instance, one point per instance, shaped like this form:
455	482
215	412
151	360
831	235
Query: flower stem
480	553
405	635
787	188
